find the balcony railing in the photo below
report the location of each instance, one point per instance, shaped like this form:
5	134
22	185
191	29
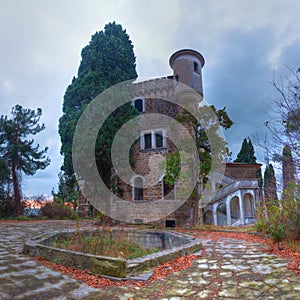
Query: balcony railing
234	186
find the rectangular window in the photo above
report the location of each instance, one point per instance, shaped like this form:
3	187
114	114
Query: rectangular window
159	140
154	139
196	67
147	141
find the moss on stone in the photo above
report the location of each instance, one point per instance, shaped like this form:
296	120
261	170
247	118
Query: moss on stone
115	268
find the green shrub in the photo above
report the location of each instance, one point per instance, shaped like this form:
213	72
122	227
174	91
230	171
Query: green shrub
7	208
281	221
57	210
22	218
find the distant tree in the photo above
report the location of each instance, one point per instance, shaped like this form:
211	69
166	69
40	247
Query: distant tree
6	207
108	59
284	120
247	156
66	192
19	153
270	187
288	167
4	179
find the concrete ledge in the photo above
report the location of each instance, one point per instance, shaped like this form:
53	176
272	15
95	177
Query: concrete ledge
174	245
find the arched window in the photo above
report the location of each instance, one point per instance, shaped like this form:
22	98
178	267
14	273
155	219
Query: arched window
168	190
221	214
234	209
139	105
248	205
208	218
138	188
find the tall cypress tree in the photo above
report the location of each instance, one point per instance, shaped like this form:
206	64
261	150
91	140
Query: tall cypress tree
270	187
108	59
247	156
288	167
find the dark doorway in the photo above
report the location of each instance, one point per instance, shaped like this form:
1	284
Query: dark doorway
170	223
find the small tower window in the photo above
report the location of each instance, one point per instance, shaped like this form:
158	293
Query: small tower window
196	67
177	78
139	105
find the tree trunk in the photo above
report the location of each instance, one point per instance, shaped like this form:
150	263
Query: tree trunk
17	193
194	209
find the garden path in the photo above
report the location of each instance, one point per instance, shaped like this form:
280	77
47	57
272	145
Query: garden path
230	269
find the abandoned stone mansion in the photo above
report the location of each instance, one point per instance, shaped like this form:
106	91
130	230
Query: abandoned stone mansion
233	200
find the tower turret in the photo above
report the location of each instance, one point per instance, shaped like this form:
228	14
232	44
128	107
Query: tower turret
187	65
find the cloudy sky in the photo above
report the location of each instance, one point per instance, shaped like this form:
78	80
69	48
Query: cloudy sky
243	43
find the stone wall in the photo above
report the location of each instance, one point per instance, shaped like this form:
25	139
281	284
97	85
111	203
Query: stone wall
241	171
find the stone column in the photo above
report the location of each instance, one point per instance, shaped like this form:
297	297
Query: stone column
242	212
228	212
215	214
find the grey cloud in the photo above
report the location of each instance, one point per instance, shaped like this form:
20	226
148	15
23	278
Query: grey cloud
242	42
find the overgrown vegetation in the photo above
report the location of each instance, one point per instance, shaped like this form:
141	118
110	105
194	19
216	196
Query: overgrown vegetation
7	208
281	220
103	242
208	139
57	210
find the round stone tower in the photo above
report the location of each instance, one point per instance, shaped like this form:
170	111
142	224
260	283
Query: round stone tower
187	65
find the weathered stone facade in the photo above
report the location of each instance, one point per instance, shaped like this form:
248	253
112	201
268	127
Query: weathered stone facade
159	101
153	97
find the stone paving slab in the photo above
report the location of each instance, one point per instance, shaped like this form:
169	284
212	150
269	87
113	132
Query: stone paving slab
230	269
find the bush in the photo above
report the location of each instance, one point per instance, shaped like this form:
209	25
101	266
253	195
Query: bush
281	221
103	219
7	208
22	218
57	210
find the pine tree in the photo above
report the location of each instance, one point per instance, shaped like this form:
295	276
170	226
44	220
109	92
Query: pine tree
19	153
288	167
107	60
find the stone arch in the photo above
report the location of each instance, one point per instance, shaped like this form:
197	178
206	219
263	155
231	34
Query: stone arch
138	188
235	211
208	218
221	214
248	200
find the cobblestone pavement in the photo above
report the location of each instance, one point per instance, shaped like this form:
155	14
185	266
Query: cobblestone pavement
230	269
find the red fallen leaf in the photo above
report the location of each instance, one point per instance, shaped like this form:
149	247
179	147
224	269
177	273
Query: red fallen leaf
97	282
181	263
281	249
